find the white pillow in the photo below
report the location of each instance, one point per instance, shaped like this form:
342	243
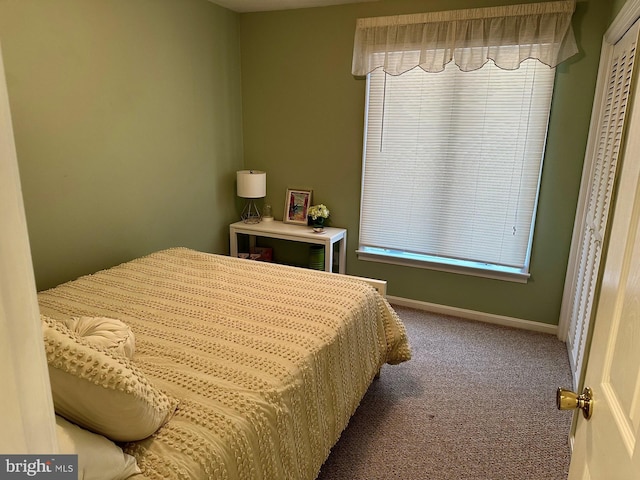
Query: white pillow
100	390
98	457
104	332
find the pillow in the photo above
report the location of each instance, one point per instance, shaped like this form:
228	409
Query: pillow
98	457
104	332
100	390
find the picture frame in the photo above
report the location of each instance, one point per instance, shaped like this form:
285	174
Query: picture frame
296	206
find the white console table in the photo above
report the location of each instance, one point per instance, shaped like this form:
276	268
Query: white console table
297	233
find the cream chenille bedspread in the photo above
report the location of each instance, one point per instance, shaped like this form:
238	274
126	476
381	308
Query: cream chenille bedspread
268	362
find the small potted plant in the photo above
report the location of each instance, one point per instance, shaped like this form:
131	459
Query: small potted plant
318	215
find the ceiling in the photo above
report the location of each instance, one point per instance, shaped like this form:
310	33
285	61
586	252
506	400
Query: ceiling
264	5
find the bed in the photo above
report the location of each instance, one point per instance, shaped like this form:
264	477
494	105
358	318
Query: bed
248	370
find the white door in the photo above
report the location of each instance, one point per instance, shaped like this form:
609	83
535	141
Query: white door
607	447
601	163
27	422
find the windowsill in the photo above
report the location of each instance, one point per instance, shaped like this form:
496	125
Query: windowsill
463	267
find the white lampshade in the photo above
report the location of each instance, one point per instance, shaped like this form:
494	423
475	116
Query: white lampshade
252	183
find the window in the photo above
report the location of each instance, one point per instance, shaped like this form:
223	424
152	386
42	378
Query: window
451	167
452	157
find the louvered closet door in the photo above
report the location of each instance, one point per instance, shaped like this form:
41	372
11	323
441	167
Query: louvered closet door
601	184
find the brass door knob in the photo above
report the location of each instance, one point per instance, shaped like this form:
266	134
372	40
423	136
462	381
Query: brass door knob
568	400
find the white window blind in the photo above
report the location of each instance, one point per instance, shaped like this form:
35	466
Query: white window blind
452	164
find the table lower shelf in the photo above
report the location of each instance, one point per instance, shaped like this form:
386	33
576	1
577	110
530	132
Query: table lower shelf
330	238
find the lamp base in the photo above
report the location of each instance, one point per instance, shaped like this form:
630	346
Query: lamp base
250	214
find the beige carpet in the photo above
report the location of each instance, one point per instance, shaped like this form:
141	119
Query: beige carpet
477	401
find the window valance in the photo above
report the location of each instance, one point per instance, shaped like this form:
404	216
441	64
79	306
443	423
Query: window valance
507	35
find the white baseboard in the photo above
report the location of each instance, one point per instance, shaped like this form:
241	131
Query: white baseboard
474	315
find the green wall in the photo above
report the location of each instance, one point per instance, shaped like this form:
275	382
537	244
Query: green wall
617	6
127	121
303	117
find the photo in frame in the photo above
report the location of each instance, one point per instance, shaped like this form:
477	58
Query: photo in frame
296	206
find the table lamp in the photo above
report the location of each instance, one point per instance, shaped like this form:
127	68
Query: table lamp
252	184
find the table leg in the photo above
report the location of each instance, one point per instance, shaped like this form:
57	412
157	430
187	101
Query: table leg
328	257
342	254
233	244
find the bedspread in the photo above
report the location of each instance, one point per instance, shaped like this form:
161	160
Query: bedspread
268	362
